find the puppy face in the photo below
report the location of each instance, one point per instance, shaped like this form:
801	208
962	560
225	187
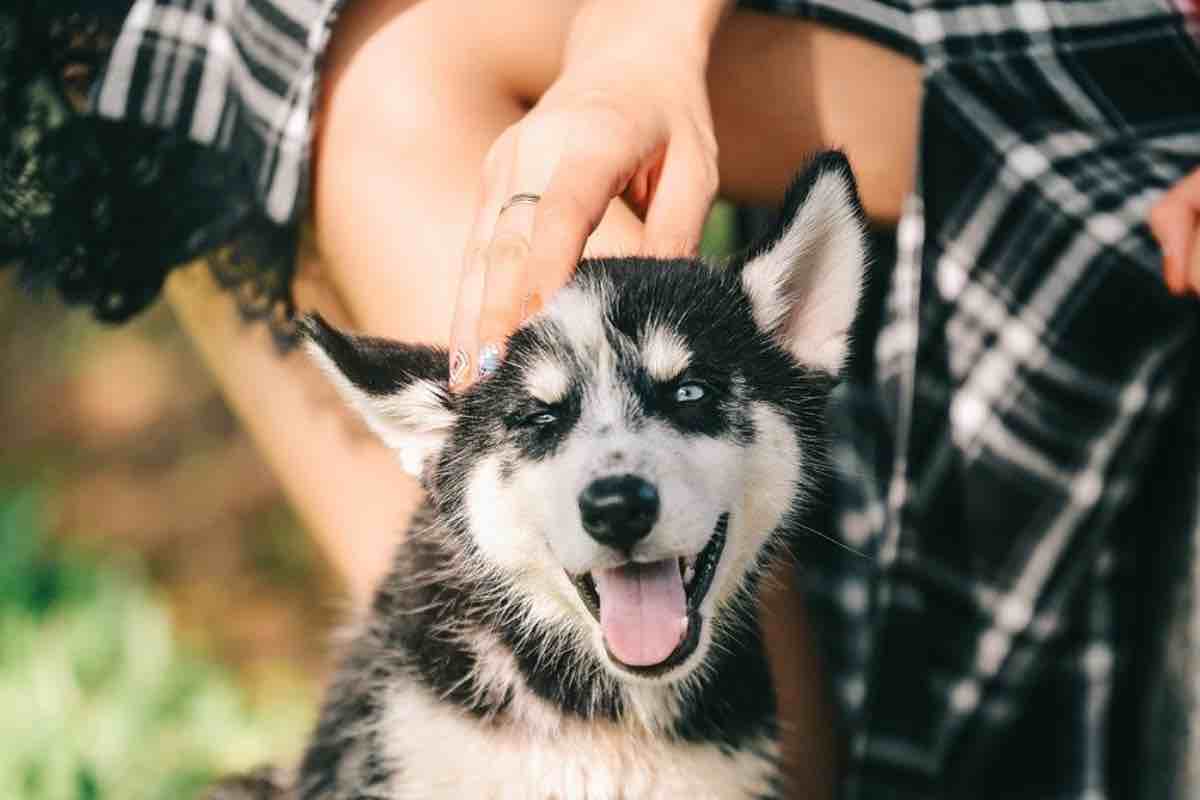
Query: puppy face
647	435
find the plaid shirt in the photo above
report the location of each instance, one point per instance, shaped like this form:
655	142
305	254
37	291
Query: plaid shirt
1019	463
1019	455
239	77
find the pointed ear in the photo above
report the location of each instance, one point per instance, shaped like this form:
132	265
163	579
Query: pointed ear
400	390
804	279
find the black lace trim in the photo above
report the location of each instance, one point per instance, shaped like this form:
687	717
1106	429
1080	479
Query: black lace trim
101	211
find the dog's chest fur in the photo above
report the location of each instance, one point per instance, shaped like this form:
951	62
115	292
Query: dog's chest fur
434	704
446	753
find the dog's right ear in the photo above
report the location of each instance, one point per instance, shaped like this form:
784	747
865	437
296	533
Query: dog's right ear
804	279
400	390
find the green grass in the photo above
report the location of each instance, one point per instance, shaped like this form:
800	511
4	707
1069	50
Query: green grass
98	698
720	236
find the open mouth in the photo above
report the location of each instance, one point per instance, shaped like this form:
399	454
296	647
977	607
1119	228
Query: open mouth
650	613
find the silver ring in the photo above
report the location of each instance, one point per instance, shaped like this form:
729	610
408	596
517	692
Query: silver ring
518	199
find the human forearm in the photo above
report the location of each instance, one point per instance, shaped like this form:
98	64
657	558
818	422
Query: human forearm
686	27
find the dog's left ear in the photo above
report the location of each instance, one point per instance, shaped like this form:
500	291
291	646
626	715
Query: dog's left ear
804	279
400	390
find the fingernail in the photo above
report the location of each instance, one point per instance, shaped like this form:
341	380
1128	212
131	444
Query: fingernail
460	362
489	359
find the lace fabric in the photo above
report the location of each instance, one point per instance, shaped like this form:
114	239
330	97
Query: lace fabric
101	210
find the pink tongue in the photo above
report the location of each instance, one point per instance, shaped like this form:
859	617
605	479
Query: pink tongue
643	610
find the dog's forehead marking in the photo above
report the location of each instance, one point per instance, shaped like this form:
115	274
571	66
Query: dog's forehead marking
608	401
579	315
547	379
664	353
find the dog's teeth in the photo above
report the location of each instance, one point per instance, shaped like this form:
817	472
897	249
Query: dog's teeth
689	572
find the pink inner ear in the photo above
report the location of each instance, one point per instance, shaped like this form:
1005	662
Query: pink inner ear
805	289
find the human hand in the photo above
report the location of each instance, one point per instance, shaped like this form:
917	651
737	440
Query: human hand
628	117
1175	221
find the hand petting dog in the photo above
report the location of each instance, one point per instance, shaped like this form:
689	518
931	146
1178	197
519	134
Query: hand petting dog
628	117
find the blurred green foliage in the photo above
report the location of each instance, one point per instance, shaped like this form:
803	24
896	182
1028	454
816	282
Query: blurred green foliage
98	699
720	236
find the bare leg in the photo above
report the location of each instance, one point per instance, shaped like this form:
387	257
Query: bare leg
414	95
348	490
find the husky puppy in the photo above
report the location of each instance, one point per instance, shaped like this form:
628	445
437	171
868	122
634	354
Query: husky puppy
572	614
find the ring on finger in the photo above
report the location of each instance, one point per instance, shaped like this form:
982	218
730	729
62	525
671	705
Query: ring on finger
521	198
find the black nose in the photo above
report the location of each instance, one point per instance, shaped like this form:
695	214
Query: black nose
618	511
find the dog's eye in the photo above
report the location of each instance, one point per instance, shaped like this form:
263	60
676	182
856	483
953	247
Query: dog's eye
689	393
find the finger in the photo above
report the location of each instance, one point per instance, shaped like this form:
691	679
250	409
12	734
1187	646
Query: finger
680	202
464	341
1187	192
506	286
1172	221
572	206
537	148
1194	259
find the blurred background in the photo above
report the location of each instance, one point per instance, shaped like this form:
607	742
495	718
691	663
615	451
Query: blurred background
164	619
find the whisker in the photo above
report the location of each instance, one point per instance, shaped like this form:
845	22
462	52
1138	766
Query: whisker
838	542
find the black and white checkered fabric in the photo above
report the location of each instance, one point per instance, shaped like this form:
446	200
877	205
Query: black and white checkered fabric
236	75
1019	463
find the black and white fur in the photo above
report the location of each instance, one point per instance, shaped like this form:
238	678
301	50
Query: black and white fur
480	670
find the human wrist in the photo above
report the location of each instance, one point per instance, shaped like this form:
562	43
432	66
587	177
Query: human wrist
681	29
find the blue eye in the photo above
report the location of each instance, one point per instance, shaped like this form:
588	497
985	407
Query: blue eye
689	393
542	418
